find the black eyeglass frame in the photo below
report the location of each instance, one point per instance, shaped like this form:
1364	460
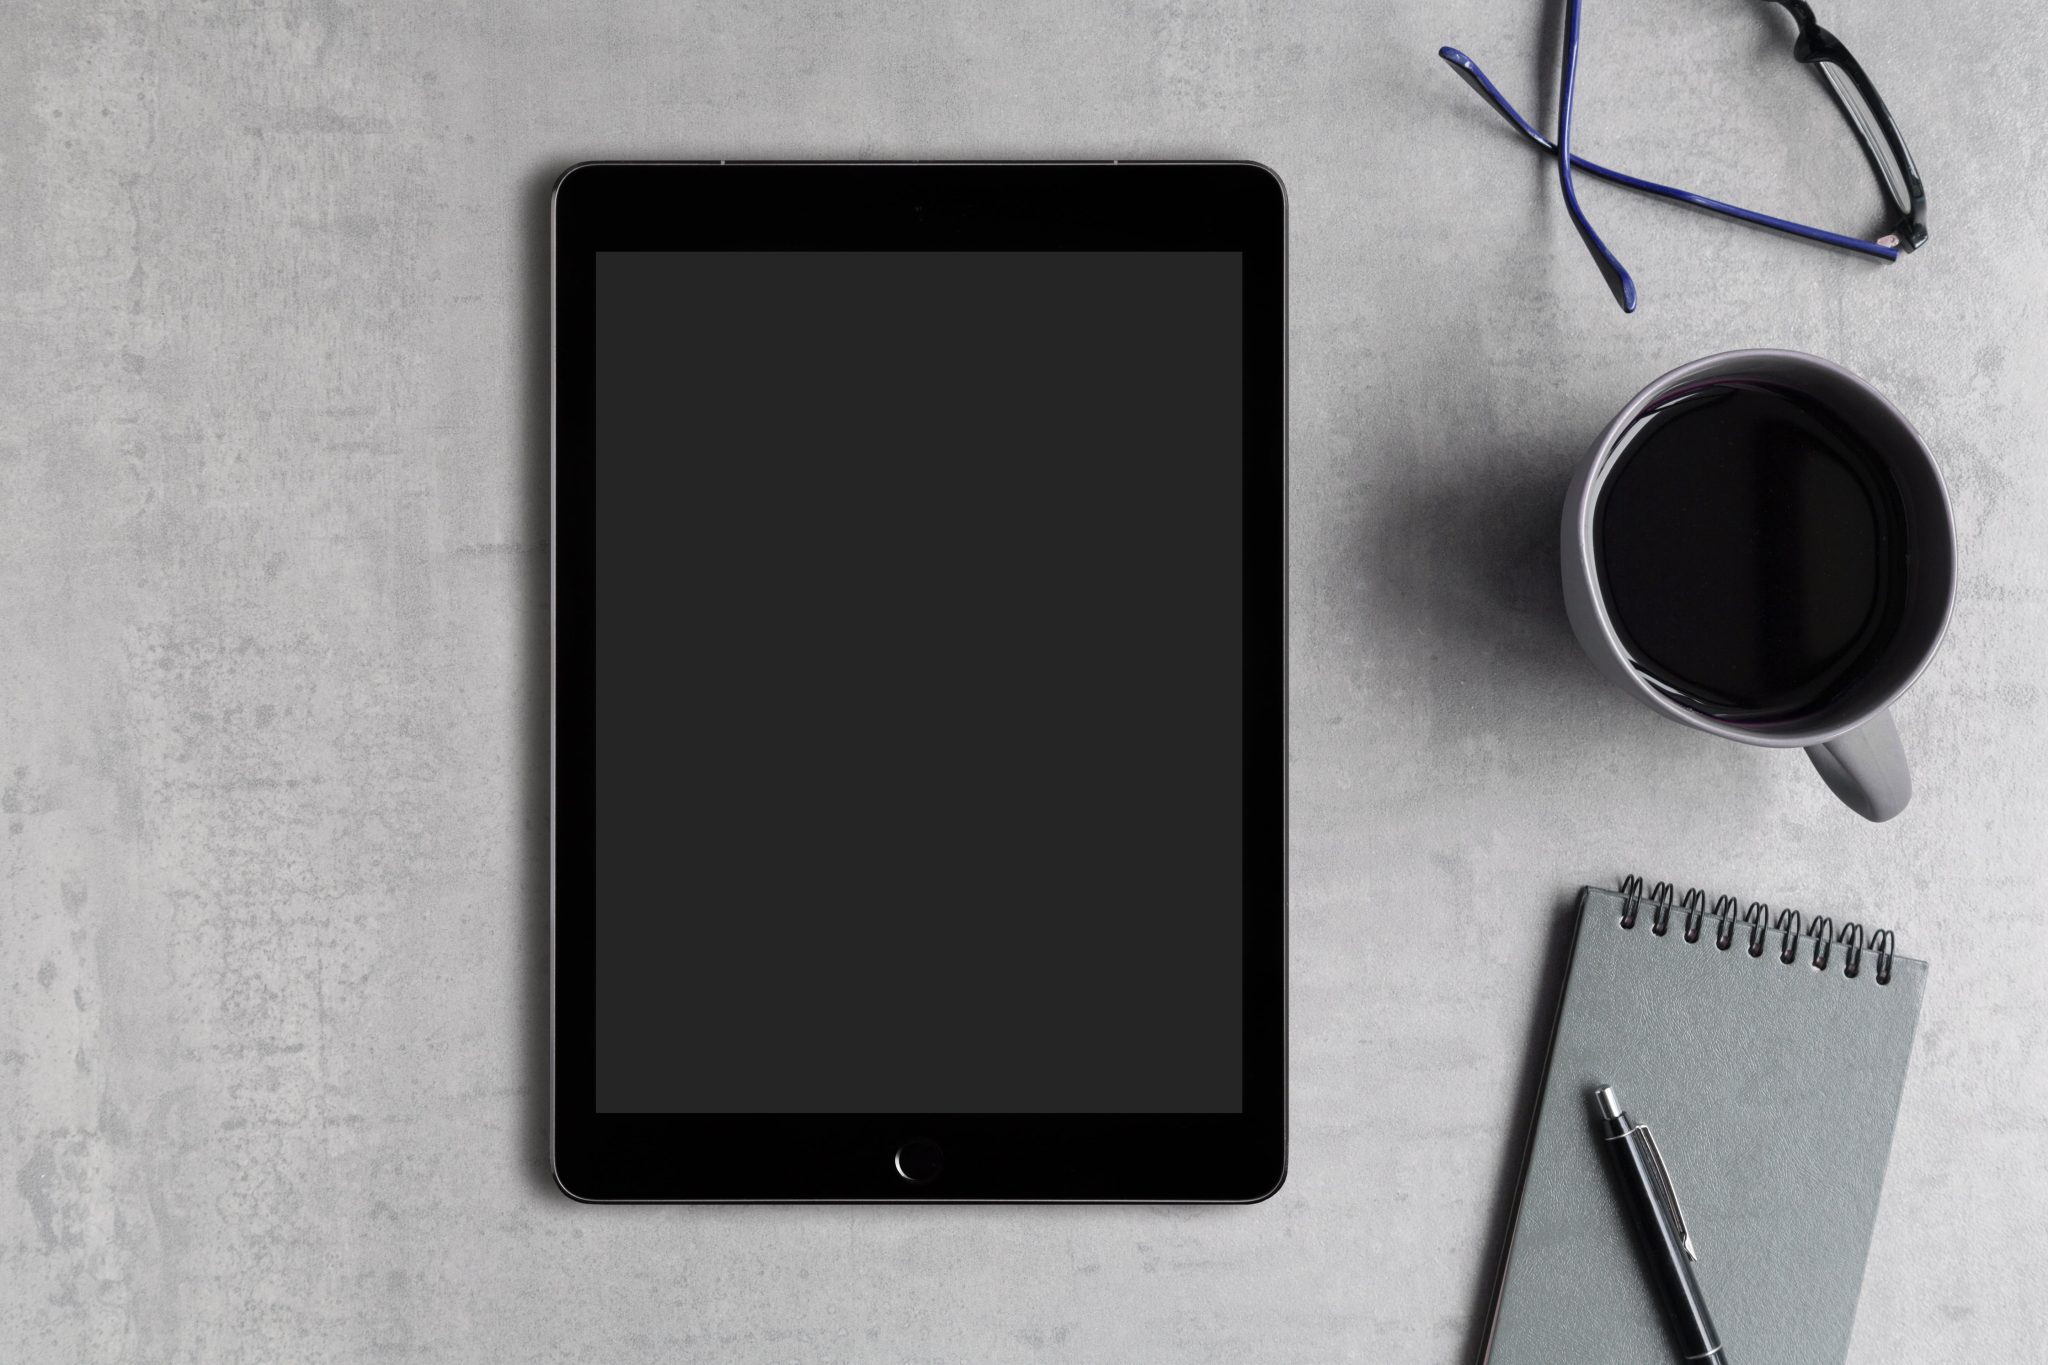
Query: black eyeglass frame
1815	46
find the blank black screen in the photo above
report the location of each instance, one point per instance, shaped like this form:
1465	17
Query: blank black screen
920	682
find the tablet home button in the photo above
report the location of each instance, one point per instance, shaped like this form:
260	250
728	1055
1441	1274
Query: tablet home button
920	1160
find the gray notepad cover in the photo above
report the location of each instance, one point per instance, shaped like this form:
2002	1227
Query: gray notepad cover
1772	1090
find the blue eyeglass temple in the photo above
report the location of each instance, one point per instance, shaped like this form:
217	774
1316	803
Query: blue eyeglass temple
1617	278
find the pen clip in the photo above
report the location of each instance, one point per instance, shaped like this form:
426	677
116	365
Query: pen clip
1668	1191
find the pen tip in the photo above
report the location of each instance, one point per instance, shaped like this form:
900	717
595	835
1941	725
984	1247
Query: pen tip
1610	1107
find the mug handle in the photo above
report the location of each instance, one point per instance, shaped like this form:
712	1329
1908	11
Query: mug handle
1866	768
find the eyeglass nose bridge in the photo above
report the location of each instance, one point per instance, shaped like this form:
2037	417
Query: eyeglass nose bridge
1814	43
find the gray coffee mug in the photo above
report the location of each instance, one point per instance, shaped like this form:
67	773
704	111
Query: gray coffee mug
1851	738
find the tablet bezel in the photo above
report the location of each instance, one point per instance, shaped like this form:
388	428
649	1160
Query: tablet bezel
756	206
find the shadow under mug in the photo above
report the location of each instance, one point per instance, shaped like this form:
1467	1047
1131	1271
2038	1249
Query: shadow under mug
1850	737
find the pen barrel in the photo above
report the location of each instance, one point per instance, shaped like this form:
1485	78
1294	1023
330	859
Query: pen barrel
1663	1250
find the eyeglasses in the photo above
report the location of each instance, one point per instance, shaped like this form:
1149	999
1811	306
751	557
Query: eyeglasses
1853	94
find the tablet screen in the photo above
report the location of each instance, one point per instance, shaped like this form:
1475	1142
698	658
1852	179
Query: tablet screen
919	671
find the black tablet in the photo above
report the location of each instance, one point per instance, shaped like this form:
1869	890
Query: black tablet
918	621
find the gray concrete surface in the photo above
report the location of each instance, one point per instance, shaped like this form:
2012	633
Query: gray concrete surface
271	442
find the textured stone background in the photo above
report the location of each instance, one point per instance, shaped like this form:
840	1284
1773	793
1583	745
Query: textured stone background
272	391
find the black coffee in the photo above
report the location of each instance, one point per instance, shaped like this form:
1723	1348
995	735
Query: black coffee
1752	551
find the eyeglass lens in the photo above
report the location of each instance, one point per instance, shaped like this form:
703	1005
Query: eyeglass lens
1870	129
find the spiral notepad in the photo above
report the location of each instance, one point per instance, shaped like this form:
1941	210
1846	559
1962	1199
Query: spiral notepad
1768	1051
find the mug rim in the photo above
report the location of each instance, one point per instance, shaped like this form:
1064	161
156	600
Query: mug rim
1593	476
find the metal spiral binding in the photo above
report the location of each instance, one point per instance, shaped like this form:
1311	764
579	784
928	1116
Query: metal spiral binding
1758	918
1695	906
1663	899
1724	910
1788	931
